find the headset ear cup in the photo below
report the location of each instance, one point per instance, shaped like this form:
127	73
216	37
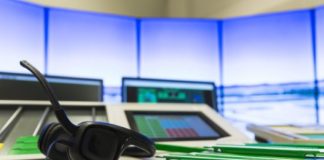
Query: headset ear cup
51	133
58	150
43	142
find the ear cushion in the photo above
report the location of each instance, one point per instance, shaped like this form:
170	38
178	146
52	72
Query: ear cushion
51	133
58	150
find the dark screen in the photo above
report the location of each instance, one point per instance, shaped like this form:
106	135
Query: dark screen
26	87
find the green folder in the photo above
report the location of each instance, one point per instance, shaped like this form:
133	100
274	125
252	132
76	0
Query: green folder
222	156
273	151
27	139
240	156
296	145
25	145
178	148
240	152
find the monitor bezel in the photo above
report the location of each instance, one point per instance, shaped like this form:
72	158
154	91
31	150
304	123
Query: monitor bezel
222	133
62	77
214	91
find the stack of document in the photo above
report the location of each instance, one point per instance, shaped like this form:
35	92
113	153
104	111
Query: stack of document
247	151
288	133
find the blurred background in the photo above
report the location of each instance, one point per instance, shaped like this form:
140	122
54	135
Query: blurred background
266	58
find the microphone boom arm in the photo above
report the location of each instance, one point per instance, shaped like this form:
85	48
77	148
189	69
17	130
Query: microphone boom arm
59	112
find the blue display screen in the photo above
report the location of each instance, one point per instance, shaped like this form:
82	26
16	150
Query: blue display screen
182	49
320	57
268	69
92	45
22	35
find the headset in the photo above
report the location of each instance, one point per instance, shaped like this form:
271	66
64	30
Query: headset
88	140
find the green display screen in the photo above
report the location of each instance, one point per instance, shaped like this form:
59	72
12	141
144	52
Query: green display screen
154	95
174	125
168	91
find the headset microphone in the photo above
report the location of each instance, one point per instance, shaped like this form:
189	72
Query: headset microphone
88	140
59	112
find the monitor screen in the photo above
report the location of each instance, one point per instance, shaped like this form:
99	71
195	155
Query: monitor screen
168	91
170	126
15	86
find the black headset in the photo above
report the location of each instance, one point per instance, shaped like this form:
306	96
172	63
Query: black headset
88	140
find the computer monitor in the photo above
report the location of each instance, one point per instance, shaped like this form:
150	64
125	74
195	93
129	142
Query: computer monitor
168	126
143	90
17	86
